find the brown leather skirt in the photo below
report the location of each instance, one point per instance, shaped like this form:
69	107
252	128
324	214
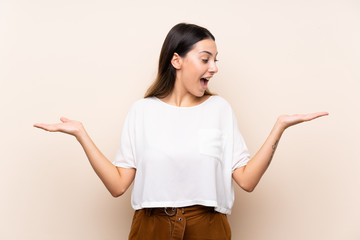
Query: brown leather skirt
185	223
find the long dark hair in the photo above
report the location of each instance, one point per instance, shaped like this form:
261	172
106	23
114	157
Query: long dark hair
180	39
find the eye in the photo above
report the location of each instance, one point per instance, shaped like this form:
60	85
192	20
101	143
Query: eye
205	60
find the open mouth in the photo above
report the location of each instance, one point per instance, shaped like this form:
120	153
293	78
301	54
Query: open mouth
204	82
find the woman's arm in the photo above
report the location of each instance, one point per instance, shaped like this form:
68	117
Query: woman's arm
247	177
116	179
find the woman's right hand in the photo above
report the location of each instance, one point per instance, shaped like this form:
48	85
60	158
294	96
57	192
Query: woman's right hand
68	126
115	179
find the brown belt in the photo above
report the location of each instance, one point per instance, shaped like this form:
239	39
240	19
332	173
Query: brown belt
171	211
178	216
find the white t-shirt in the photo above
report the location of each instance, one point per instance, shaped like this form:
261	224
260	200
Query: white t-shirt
183	155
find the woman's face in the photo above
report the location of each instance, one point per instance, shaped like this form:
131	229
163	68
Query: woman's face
197	67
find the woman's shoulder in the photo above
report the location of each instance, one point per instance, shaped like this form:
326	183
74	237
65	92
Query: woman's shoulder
142	102
221	101
219	98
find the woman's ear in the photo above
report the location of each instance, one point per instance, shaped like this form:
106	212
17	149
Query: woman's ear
176	61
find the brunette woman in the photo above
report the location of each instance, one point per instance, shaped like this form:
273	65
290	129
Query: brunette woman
181	146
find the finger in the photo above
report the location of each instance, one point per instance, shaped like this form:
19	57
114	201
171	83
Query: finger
47	127
64	119
312	116
320	113
38	125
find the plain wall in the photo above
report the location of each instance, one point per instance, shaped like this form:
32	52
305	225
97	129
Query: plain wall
90	60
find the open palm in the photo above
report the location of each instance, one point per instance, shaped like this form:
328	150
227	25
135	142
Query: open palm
290	120
66	125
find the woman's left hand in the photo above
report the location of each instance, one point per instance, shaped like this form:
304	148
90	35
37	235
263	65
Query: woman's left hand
289	120
247	177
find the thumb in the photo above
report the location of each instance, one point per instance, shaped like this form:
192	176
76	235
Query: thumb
64	119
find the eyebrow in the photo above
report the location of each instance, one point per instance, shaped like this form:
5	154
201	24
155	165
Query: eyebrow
207	52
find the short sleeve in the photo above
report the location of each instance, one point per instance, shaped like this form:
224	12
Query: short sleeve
125	156
241	155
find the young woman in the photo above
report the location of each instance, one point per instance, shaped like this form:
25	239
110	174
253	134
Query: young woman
181	146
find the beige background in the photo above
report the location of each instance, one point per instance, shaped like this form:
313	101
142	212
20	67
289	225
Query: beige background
89	60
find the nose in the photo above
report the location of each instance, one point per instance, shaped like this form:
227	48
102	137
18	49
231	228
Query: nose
213	68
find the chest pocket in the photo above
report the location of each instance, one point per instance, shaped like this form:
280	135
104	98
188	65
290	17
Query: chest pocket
211	142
